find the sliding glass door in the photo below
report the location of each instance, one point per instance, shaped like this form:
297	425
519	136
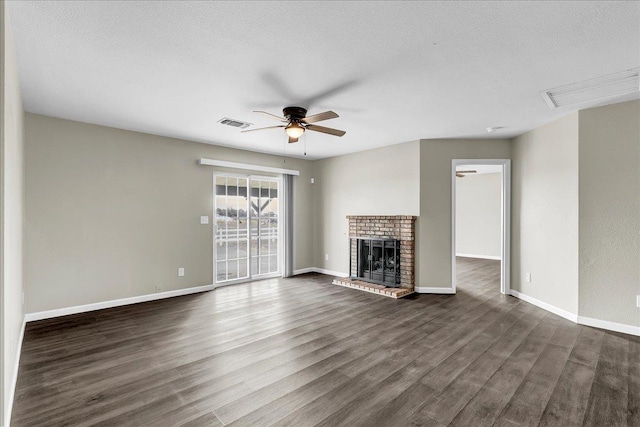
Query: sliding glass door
247	227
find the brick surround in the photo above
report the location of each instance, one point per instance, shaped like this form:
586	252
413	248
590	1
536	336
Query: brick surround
400	227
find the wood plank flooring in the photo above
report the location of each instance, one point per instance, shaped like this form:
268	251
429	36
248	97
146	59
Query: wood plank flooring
303	352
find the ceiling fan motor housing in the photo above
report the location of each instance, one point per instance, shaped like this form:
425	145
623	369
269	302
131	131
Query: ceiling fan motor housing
294	113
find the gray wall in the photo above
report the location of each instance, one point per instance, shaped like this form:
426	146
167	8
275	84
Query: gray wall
544	203
433	246
610	213
11	215
479	215
383	181
112	213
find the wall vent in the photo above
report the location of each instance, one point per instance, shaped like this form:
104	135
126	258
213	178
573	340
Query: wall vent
235	123
609	86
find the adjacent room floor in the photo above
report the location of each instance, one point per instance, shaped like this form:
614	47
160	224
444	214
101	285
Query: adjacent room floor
476	273
303	352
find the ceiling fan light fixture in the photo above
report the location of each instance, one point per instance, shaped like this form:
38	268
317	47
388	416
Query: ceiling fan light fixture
294	130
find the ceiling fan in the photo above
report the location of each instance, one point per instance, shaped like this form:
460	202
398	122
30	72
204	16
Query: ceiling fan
297	122
461	174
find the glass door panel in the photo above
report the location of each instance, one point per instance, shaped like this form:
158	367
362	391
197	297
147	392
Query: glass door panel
232	228
265	226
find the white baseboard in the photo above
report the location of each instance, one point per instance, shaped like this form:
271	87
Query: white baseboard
498	258
611	326
551	308
40	315
14	378
321	271
428	290
331	273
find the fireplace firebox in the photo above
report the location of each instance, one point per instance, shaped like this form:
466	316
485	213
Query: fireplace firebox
378	260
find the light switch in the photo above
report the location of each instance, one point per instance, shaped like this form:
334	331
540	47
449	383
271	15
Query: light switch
204	219
181	272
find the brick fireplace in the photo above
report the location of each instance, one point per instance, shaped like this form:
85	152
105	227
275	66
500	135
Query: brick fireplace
382	229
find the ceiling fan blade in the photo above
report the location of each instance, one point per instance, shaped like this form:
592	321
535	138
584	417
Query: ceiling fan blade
291	140
323	129
319	117
268	127
327	93
282	119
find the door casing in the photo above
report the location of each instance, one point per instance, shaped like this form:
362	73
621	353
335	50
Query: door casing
505	238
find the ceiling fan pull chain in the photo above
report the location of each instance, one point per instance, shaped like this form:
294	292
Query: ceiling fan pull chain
284	150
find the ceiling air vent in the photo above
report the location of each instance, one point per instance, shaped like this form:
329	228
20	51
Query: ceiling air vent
600	88
235	123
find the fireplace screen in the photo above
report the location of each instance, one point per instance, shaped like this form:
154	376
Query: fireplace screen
377	260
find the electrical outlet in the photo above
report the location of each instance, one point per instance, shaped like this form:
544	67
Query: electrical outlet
158	288
638	301
326	257
204	219
181	272
527	277
313	181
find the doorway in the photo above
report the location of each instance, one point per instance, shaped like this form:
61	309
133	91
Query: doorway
247	230
480	223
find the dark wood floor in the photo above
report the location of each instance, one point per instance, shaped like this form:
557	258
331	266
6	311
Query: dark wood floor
303	352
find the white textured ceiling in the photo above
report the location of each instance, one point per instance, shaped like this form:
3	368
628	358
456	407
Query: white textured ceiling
394	71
